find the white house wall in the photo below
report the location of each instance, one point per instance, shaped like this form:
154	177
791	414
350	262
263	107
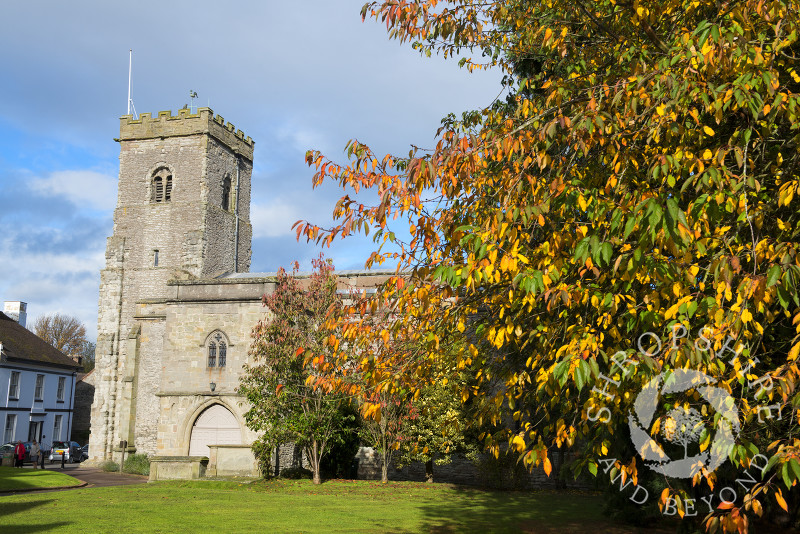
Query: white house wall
28	409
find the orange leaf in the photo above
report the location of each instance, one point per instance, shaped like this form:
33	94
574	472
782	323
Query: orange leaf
781	501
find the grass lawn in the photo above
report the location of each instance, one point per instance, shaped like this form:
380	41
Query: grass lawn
299	506
12	478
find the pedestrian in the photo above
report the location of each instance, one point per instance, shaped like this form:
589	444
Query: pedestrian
43	449
19	454
35	452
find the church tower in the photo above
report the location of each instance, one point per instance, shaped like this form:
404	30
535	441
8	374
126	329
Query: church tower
183	212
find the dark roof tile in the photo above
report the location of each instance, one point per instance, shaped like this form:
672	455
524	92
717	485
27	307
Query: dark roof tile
20	344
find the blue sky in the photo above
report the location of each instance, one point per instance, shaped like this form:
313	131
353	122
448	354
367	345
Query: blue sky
292	75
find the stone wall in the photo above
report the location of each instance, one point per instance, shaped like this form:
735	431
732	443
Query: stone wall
82	416
482	470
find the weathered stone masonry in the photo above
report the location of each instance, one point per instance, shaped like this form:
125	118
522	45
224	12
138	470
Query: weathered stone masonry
191	234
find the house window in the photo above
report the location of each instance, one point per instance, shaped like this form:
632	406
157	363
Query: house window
13	386
11	423
161	186
60	393
57	427
39	391
217	350
155	258
226	193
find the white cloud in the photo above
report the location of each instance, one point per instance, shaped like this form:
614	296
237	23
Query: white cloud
82	188
274	219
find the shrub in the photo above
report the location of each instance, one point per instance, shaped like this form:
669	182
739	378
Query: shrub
138	464
296	473
109	466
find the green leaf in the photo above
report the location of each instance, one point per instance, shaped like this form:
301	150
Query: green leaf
629	226
773	275
606	250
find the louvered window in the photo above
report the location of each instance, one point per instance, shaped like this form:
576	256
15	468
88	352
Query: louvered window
161	186
158	189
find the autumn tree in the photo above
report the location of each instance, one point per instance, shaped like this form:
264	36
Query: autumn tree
279	383
64	332
640	176
88	356
385	431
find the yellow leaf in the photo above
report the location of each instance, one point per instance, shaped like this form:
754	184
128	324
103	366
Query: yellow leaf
747	316
708	130
781	502
547	467
661	109
519	443
707	154
794	352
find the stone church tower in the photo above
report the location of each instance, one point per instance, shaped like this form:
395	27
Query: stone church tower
183	213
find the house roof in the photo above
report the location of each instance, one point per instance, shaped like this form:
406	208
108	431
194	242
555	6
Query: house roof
22	345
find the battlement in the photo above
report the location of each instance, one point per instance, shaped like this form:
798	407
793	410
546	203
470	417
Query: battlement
165	124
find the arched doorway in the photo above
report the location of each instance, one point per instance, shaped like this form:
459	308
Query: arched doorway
215	426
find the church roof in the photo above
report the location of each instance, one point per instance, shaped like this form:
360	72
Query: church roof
22	345
303	274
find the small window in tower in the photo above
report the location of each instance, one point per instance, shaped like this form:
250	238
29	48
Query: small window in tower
155	258
226	193
158	189
161	185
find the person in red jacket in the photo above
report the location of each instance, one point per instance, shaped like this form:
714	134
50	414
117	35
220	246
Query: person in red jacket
19	454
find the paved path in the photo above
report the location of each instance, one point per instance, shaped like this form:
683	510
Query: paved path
97	477
94	477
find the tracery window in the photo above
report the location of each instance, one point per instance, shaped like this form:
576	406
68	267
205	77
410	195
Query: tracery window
161	185
217	350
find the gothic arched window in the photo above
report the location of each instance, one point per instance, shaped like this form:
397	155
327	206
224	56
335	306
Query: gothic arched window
161	185
217	349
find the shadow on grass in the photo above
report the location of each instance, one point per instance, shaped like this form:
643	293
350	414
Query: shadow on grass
10	508
538	512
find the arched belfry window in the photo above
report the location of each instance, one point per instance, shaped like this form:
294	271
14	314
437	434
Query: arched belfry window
217	349
161	185
226	193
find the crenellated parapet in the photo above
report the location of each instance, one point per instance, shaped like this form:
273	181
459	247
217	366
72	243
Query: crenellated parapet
165	124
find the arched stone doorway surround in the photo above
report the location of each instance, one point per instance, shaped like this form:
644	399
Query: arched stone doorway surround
212	423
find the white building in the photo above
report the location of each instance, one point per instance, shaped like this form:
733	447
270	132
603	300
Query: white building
37	385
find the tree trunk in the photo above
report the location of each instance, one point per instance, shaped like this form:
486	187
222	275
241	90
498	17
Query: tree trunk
385	469
315	463
429	471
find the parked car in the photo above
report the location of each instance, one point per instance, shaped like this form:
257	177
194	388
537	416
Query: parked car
11	445
85	452
71	450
